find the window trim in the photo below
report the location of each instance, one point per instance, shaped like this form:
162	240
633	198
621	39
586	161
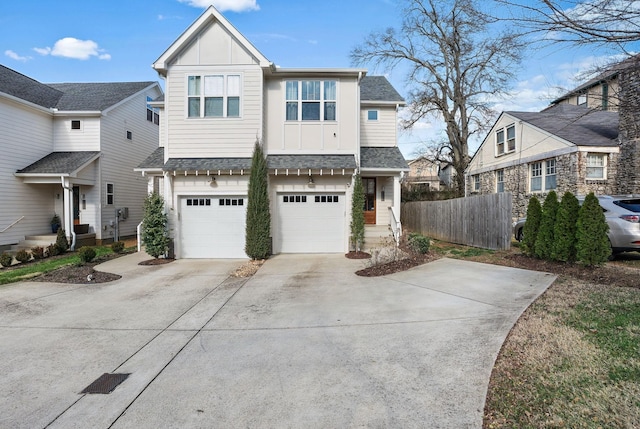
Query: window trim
377	115
542	168
111	194
74	121
297	101
202	95
476	182
500	180
503	144
603	167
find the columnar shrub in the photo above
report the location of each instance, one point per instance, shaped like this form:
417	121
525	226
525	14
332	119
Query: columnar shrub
117	246
86	254
52	250
61	241
22	256
5	259
258	226
544	240
37	252
154	226
564	232
357	214
531	226
592	246
418	243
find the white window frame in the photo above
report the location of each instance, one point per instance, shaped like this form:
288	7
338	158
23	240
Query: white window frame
376	114
582	99
505	139
476	182
550	170
540	174
596	166
295	100
79	125
111	194
500	180
226	92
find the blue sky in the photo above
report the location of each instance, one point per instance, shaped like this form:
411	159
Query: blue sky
117	40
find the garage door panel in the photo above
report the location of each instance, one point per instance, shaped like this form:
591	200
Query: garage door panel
311	222
213	227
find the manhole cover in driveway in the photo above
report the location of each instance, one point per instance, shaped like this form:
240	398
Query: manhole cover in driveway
105	383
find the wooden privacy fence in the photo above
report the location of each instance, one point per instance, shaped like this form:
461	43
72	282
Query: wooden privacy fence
480	221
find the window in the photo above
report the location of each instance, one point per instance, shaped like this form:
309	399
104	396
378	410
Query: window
582	99
294	199
476	182
326	199
231	202
605	96
500	181
129	135
543	175
110	194
596	166
153	114
506	145
214	96
310	100
372	115
198	201
76	125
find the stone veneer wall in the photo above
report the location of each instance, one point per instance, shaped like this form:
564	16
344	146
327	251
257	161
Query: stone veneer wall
629	170
570	176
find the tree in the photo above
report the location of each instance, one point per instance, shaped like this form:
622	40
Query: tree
357	214
531	226
545	239
579	22
564	231
154	226
592	246
456	61
258	229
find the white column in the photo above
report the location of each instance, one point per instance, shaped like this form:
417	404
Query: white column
396	194
68	209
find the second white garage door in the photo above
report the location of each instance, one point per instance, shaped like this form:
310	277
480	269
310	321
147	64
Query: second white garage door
311	222
213	227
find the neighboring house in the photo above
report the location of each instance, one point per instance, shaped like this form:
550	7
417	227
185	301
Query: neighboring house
70	149
447	175
563	148
603	91
318	128
423	172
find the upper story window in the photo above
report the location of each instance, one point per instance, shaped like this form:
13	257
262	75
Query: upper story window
543	175
506	140
76	124
605	96
311	100
582	99
596	166
214	96
153	113
372	115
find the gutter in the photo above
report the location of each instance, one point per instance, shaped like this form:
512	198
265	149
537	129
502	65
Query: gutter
73	233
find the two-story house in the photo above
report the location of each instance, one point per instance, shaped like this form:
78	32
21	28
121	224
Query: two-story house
318	127
423	172
70	149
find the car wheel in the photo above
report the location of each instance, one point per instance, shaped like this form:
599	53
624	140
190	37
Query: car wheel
519	234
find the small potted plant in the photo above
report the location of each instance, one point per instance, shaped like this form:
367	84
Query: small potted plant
55	223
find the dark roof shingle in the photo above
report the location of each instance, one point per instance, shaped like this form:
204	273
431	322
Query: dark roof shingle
314	162
25	88
155	160
378	88
95	96
203	164
59	163
382	158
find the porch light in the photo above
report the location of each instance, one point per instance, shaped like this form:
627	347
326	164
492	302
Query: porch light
311	182
212	180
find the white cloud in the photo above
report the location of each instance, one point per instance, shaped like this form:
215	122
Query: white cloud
14	56
224	5
70	47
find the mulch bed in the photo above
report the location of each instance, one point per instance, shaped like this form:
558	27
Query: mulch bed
413	260
156	261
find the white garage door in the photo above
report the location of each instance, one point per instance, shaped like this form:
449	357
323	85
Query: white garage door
311	222
213	226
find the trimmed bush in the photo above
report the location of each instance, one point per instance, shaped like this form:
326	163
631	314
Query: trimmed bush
418	243
564	231
52	250
154	226
357	214
37	252
22	256
258	226
86	254
6	259
592	246
544	241
61	241
531	226
117	246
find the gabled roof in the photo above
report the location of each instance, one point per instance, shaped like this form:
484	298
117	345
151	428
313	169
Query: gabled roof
153	161
382	158
60	163
210	15
27	89
95	96
576	124
378	88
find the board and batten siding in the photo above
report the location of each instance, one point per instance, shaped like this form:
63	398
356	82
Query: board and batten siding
119	156
382	132
25	137
213	137
87	138
311	137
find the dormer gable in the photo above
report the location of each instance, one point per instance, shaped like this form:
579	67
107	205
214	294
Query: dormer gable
211	40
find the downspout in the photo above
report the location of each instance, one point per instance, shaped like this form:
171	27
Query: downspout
69	205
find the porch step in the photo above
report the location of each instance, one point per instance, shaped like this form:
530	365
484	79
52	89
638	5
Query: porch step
377	236
35	240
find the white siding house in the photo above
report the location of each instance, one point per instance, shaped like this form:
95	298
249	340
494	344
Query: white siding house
70	150
223	95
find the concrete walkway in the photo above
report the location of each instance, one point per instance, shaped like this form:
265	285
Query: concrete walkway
303	343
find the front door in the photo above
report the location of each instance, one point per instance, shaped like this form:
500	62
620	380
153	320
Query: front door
369	185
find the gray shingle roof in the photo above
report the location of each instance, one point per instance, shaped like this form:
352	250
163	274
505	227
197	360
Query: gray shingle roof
203	164
95	96
59	163
382	158
314	162
155	160
25	88
378	88
576	124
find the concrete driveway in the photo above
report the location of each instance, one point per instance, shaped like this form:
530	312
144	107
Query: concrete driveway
303	343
